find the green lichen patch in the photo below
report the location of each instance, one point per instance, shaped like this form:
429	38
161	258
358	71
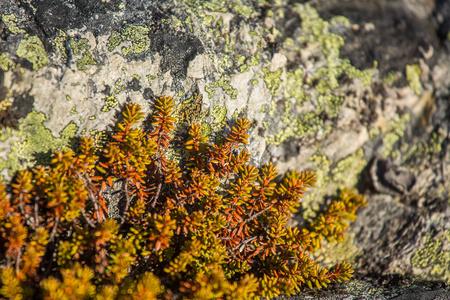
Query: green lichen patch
317	90
6	63
347	170
397	129
333	252
224	83
60	44
332	176
413	77
434	257
11	24
272	80
135	37
111	101
80	47
32	142
32	49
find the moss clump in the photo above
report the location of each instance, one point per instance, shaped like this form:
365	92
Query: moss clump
211	226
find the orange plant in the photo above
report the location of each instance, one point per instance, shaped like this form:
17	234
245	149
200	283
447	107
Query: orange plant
211	225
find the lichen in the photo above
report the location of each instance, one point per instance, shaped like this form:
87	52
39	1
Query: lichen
11	23
31	140
224	84
434	257
32	49
413	77
135	35
397	129
272	80
111	101
347	170
6	63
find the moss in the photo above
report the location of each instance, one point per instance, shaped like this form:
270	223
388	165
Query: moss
11	23
32	49
31	139
6	63
413	77
434	257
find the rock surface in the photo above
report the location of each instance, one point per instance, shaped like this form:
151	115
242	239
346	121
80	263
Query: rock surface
358	92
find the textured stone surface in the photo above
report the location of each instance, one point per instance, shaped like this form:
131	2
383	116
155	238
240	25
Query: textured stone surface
362	99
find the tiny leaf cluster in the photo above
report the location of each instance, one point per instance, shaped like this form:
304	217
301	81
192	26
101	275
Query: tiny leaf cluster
208	226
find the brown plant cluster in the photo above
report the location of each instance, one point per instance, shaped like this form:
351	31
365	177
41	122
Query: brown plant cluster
210	226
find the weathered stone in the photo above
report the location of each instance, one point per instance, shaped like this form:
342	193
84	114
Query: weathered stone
362	99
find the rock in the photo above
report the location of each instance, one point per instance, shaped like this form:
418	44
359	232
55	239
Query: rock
357	92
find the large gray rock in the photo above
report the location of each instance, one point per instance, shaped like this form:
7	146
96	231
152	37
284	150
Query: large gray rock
361	99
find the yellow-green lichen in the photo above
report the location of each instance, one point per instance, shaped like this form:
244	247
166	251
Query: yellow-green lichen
244	10
224	83
272	80
413	77
310	203
305	125
293	86
74	110
86	59
150	78
225	62
330	103
111	101
345	173
81	47
398	127
32	49
6	63
243	67
205	129
11	24
32	141
434	257
340	20
390	78
135	35
218	113
333	252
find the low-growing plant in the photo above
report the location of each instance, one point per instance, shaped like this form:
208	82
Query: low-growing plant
208	226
